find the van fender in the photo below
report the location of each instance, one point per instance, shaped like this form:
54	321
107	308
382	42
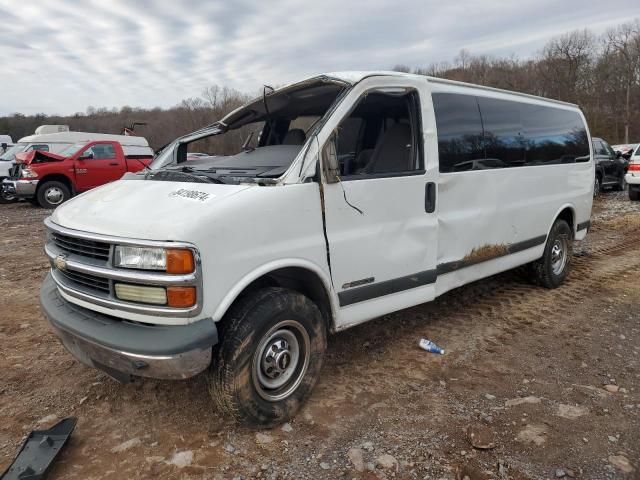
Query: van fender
571	207
269	267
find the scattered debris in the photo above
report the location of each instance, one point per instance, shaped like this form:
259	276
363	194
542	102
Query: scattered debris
356	457
47	419
263	438
387	462
611	388
571	412
430	347
536	434
480	436
622	463
124	446
39	450
181	459
287	427
519	401
488	396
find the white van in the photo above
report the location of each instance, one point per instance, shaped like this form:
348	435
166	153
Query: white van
58	143
398	188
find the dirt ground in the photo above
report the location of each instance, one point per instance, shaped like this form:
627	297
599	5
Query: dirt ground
525	371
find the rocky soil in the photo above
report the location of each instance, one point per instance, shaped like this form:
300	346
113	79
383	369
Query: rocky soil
535	383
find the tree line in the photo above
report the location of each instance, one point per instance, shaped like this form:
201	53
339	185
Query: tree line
601	73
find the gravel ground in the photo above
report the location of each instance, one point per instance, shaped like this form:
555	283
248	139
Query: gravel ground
535	383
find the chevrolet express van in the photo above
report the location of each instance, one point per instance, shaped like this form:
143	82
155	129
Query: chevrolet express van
353	196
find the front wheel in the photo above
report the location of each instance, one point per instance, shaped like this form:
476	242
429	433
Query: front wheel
52	194
269	358
6	197
552	269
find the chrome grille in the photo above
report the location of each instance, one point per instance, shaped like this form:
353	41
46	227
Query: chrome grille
80	246
86	280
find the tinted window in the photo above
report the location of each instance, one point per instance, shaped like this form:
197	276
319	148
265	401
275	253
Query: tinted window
459	132
598	148
553	135
504	141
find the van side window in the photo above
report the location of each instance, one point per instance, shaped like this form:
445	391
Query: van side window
40	148
503	131
381	136
460	143
479	133
553	135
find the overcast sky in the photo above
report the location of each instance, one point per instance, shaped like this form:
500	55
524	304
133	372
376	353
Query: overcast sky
60	56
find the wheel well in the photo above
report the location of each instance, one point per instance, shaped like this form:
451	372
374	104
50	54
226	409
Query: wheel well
567	216
57	177
300	280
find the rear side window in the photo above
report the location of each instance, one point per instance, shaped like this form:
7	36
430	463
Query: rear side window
460	143
479	133
553	135
101	151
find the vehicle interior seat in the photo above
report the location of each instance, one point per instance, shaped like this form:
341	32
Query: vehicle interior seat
295	136
393	151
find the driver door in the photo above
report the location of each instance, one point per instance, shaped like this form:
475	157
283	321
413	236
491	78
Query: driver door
380	202
98	164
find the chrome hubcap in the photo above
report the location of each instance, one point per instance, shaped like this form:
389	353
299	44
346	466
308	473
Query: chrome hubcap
54	195
281	360
558	255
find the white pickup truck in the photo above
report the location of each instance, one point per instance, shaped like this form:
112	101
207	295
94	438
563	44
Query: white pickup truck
363	194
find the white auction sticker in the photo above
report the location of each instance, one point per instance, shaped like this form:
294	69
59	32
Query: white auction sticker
196	195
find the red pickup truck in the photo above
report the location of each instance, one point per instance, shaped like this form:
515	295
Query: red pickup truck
48	179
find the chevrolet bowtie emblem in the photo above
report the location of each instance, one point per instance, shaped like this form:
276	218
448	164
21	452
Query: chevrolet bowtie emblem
60	262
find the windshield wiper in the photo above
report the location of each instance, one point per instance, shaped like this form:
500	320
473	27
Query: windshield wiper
211	176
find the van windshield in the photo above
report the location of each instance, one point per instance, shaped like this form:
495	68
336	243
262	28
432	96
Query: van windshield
259	140
10	154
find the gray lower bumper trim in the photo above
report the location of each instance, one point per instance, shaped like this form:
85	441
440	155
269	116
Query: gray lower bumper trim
146	350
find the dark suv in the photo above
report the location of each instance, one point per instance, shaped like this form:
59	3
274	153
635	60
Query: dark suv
610	167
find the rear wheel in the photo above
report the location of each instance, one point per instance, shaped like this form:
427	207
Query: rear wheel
620	186
52	194
634	194
269	358
552	269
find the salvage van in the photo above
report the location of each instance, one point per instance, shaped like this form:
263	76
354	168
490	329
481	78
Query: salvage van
354	195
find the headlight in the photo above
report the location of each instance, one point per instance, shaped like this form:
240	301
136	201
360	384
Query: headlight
171	260
28	173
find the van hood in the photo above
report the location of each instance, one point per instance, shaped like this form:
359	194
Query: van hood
145	209
37	156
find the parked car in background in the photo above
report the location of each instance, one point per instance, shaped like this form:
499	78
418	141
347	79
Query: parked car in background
625	150
49	179
6	142
633	175
610	167
382	203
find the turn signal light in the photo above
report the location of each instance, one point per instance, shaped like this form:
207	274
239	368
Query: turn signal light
180	261
181	297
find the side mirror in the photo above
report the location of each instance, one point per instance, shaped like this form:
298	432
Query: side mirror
330	164
86	156
618	154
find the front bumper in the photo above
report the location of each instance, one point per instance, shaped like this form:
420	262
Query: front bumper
123	349
20	188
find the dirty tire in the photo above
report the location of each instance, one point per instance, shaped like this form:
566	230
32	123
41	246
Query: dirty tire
621	185
4	199
52	194
235	375
542	270
634	194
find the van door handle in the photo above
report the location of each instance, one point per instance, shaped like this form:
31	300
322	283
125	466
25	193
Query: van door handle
430	197
114	164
